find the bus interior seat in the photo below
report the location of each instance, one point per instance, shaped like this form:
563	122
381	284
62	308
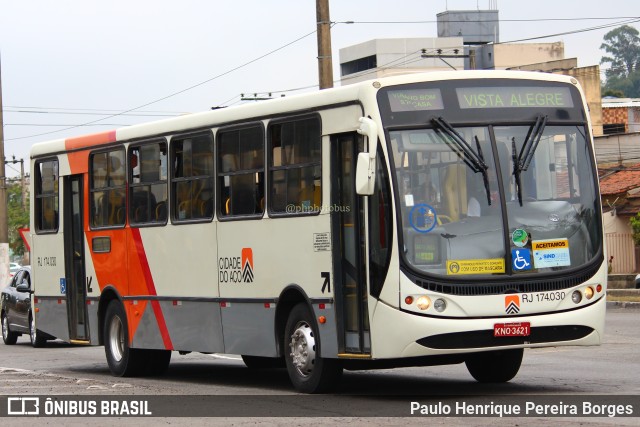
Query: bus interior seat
161	211
454	186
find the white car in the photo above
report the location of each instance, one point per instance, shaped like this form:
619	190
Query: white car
13	268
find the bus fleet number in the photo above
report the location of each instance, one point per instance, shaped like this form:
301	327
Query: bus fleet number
543	297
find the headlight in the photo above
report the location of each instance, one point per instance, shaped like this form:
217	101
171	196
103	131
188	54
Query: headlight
440	305
423	302
588	293
576	297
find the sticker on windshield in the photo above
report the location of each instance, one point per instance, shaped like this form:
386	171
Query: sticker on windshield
423	218
520	237
521	259
475	266
550	253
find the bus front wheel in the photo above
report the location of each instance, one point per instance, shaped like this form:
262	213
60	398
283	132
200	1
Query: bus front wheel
308	372
123	361
495	366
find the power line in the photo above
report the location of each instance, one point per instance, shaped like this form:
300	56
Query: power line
173	94
124	113
583	30
88	109
61	125
81	113
488	20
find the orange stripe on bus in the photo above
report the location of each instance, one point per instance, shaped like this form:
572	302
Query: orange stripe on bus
79	161
142	256
90	140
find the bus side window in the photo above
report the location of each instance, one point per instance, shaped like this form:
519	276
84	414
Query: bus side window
191	179
241	171
295	166
47	197
148	186
107	188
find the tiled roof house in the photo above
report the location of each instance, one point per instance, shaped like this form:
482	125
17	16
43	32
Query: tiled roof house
620	190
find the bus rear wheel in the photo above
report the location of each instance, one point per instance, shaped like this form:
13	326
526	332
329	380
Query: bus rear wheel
495	366
308	372
123	361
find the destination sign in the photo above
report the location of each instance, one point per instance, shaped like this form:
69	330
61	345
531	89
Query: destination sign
514	97
415	100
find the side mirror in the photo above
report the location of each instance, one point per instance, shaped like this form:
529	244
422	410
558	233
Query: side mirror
23	287
366	164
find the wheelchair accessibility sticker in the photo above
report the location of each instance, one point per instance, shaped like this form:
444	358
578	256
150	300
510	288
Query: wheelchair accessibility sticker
521	259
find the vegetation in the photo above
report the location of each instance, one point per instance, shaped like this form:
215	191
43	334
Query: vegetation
623	77
18	217
635	226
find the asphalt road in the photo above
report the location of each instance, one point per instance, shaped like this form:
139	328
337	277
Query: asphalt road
227	388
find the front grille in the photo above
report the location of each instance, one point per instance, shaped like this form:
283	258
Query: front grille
485	338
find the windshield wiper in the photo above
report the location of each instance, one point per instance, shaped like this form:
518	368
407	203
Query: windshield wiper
521	161
474	160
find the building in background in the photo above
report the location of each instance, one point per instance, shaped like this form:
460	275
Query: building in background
384	57
467	39
621	115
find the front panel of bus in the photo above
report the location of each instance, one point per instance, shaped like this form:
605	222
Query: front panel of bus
498	212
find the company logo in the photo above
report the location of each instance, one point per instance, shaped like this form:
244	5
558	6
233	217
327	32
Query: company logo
512	304
23	406
247	265
236	269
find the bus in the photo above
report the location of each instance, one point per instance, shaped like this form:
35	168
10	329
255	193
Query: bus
414	220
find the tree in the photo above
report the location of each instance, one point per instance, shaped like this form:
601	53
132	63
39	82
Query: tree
18	217
616	93
623	76
624	86
623	44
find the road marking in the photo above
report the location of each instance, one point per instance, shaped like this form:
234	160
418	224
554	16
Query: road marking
24	381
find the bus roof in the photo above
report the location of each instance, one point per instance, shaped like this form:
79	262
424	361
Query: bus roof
349	93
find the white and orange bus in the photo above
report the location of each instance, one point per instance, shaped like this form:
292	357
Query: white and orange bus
412	220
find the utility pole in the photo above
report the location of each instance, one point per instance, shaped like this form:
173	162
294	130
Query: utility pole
4	226
325	65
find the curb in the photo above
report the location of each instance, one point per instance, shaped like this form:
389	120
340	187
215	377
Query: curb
623	304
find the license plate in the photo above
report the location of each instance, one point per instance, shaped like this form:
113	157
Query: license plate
522	329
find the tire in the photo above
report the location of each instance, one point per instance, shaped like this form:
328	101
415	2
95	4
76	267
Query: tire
123	361
309	373
37	339
495	366
156	361
259	362
8	337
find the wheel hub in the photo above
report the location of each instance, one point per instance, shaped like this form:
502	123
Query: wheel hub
116	338
303	349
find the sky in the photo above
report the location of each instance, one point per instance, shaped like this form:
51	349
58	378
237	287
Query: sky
68	63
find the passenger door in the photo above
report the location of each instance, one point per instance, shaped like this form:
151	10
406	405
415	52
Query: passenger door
74	259
347	224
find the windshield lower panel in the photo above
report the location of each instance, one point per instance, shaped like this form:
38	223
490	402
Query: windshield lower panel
469	206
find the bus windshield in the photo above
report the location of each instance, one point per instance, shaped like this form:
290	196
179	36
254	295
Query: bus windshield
482	209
